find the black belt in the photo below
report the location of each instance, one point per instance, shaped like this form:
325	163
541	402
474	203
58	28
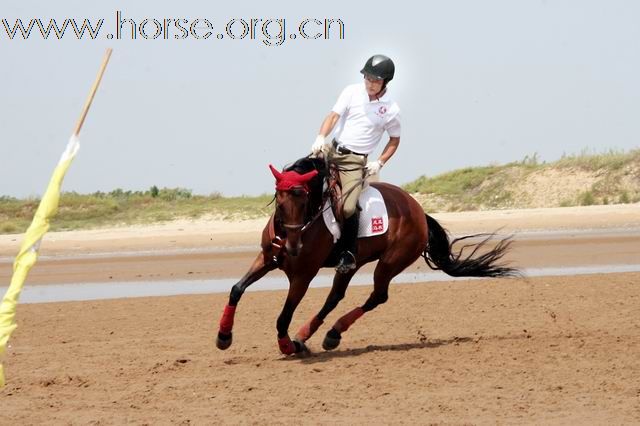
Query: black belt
342	150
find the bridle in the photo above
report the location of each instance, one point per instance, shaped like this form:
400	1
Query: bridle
297	225
304	226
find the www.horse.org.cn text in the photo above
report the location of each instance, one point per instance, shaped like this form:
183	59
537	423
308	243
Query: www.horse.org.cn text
268	31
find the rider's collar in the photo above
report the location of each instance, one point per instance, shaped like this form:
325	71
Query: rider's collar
383	98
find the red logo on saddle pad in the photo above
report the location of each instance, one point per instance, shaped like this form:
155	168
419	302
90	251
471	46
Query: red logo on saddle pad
377	224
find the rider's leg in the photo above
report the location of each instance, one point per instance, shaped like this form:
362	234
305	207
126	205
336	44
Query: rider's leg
351	168
347	261
258	270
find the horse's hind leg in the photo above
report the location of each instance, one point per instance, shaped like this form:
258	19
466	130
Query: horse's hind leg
382	276
338	290
258	270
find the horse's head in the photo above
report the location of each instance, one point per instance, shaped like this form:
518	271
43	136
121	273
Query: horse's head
292	203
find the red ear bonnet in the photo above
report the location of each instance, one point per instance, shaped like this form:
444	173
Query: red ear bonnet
286	181
276	173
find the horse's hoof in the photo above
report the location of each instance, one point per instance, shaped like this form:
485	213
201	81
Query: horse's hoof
301	348
331	340
224	341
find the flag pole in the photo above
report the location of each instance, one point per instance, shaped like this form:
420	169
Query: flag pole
28	254
92	92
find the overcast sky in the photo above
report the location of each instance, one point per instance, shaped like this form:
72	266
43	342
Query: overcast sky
477	82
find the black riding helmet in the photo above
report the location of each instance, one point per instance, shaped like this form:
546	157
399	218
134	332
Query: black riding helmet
379	66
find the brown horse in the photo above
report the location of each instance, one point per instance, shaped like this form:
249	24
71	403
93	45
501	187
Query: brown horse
308	246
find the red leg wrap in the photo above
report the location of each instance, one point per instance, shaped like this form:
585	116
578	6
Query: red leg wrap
286	345
307	330
226	322
345	322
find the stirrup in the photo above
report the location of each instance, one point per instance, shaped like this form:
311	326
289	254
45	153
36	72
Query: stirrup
347	262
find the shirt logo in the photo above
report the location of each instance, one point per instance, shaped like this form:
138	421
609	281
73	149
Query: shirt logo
382	110
377	224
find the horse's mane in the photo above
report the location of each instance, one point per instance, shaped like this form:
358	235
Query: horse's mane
305	165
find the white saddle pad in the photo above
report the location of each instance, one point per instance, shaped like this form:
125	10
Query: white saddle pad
374	219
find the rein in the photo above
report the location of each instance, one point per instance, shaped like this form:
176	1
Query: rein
304	226
322	210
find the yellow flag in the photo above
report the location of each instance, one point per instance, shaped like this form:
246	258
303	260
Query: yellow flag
29	249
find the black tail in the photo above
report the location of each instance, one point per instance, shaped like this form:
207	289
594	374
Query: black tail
438	255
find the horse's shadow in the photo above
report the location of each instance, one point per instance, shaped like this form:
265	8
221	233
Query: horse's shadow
315	357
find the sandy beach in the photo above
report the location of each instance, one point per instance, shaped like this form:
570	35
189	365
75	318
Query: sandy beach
205	233
551	350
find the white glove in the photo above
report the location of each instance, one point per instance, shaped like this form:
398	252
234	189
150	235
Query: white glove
373	167
318	145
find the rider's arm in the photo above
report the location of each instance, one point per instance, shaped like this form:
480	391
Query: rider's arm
325	129
339	109
393	130
389	150
328	124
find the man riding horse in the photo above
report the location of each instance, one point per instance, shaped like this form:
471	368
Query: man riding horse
299	242
363	112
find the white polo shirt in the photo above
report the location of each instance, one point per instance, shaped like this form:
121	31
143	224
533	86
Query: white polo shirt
362	122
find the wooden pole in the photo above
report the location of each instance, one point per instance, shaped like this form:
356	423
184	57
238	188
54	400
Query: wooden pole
92	93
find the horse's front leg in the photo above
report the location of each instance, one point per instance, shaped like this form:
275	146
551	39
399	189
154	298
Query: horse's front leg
258	270
297	289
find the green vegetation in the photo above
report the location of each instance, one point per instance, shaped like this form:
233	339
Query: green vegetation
455	183
586	198
611	161
585	179
120	207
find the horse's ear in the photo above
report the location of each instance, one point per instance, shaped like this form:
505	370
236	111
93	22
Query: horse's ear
276	173
308	176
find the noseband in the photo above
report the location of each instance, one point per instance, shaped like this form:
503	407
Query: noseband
301	226
296	226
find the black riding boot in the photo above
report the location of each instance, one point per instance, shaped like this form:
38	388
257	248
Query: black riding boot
349	242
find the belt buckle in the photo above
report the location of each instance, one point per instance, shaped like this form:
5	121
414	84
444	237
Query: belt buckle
339	148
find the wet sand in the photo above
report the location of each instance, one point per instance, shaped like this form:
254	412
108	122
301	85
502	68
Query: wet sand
549	250
595	235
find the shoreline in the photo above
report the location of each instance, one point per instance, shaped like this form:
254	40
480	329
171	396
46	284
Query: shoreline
208	233
88	291
210	250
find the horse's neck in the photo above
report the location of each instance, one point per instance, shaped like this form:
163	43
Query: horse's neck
316	233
